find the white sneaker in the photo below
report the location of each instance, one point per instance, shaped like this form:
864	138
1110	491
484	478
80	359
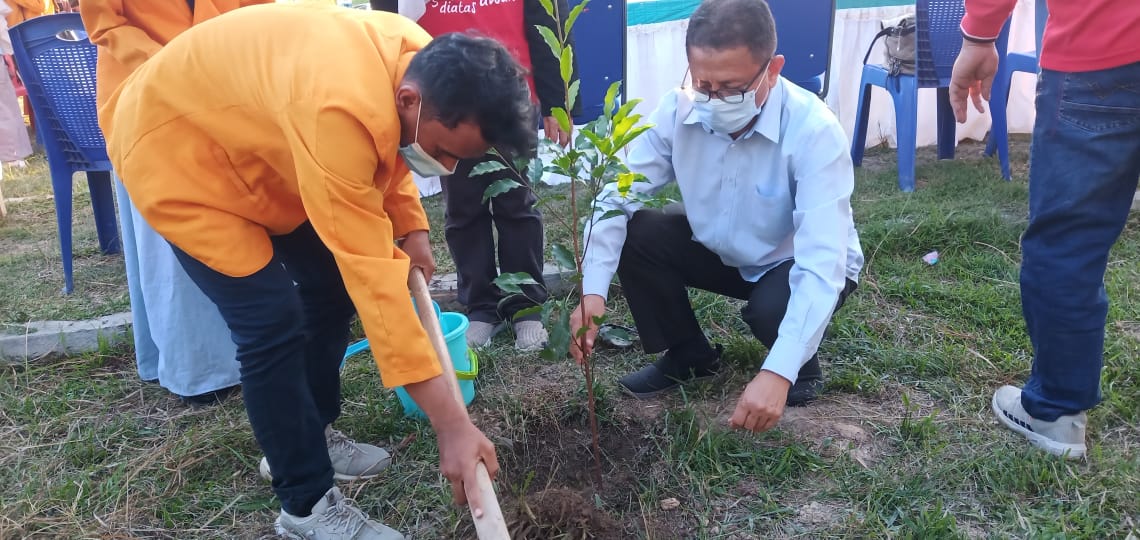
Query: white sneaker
333	518
350	460
1063	437
530	336
479	333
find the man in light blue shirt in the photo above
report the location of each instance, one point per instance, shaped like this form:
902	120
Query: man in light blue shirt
766	179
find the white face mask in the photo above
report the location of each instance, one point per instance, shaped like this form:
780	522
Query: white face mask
418	160
728	118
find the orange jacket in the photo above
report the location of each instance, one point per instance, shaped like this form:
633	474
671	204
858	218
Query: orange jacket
250	124
23	10
128	32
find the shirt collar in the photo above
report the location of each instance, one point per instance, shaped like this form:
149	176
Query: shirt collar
768	125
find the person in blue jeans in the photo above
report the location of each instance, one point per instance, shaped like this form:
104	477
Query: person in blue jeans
1083	170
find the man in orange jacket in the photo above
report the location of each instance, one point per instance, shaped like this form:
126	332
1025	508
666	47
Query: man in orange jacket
266	146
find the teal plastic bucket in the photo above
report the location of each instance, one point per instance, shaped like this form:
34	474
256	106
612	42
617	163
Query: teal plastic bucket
362	345
454	326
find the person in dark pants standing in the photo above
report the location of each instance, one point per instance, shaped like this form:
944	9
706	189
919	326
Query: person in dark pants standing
766	179
471	222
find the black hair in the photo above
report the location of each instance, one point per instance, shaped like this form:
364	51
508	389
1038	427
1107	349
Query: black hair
726	24
465	77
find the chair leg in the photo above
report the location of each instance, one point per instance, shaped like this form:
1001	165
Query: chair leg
859	137
62	193
103	203
905	95
999	132
947	126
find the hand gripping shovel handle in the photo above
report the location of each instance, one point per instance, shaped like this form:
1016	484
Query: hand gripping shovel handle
491	526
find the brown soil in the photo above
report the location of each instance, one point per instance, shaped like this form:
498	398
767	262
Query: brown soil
547	487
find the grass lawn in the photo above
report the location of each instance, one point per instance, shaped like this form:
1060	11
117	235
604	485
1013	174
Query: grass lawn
903	445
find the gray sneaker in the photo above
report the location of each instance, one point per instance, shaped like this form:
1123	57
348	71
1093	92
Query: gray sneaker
333	518
1063	437
350	460
530	336
479	333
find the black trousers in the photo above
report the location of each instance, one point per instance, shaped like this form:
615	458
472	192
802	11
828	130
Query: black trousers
290	341
470	230
660	261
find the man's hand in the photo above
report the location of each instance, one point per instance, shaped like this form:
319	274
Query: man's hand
418	248
554	131
973	76
461	447
592	306
762	403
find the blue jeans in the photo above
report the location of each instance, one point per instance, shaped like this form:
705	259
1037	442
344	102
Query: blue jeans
290	322
1084	165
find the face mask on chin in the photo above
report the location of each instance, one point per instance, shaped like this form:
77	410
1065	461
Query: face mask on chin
418	160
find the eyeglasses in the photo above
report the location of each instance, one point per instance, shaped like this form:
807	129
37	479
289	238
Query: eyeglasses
727	95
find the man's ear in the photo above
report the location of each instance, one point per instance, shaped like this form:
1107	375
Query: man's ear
408	96
775	67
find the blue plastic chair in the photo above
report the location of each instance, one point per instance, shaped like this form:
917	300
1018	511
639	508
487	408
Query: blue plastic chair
938	42
57	63
599	45
1008	64
804	30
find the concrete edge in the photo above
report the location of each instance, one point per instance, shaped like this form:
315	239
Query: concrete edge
47	339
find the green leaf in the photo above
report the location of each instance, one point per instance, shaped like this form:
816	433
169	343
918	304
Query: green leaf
548	5
487	167
559	343
512	283
611	214
526	312
572	96
574	16
563	119
499	187
563	256
543	201
611	98
534	171
566	63
624	110
624	182
550	39
622	141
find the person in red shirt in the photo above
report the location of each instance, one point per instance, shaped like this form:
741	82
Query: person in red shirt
469	219
1083	169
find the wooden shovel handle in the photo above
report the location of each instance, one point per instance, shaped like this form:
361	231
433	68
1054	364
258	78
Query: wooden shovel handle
491	526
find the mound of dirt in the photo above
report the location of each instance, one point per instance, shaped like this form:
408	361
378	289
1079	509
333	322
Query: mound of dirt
560	513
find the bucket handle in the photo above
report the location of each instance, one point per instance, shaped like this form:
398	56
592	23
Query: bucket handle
473	372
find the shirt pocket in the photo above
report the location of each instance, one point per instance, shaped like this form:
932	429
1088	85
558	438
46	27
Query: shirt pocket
770	215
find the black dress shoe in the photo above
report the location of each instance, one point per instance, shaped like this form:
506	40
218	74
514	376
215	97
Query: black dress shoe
809	384
804	391
668	373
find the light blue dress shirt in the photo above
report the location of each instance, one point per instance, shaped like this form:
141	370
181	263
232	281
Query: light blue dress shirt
781	191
